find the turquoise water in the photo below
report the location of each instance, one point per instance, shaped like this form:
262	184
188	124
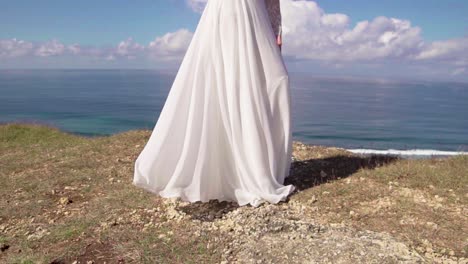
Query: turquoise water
349	113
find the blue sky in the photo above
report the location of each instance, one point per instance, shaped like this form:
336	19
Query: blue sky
93	22
107	22
104	24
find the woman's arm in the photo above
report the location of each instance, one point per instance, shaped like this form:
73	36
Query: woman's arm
274	12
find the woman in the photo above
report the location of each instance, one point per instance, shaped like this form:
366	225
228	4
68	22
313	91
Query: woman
225	130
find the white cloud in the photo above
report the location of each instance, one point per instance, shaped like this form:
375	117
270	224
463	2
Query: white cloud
310	33
50	48
452	52
197	5
335	20
74	49
128	49
14	48
11	48
171	45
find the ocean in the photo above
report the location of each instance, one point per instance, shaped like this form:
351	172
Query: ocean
362	115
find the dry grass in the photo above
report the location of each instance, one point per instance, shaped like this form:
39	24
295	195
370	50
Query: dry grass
422	202
101	217
66	198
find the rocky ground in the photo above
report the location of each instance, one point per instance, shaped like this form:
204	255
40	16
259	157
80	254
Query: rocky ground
68	199
280	234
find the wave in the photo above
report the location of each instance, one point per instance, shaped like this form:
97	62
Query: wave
409	152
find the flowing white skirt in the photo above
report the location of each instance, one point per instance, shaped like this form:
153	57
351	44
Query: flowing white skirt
224	131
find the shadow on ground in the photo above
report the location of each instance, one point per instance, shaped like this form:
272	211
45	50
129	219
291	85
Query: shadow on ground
309	173
304	174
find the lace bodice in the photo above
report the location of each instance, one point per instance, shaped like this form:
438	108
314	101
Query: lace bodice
274	11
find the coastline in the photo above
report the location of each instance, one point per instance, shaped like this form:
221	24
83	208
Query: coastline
411	153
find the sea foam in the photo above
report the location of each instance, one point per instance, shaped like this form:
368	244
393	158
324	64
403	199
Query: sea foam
409	152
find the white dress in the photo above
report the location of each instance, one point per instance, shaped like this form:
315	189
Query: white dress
224	131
